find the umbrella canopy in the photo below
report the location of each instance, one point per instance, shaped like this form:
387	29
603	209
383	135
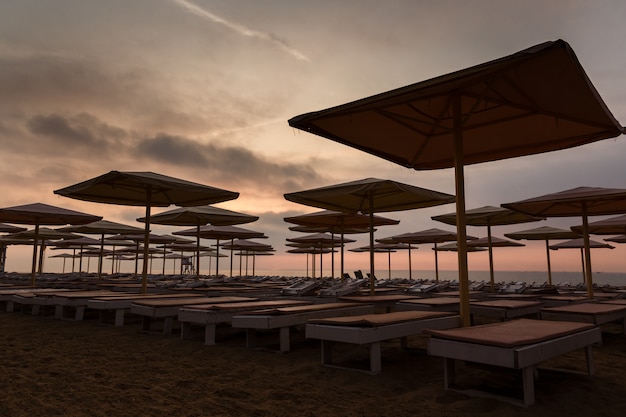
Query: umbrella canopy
433	235
102	227
454	247
387	248
612	226
580	243
581	201
539	99
370	195
488	216
339	222
545	233
222	232
617	239
7	228
199	216
321	240
43	214
146	189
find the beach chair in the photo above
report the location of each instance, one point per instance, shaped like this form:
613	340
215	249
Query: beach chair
302	287
517	344
359	274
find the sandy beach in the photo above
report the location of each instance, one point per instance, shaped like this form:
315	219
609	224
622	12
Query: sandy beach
81	368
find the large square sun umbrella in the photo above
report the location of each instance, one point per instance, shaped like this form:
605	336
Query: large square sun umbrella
39	214
387	248
152	238
248	246
533	101
101	227
491	242
545	233
220	233
146	189
199	216
488	216
337	222
433	235
579	243
581	201
321	240
369	196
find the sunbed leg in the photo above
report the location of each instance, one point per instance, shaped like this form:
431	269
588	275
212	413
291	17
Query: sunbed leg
449	372
119	317
375	361
185	330
589	356
209	334
250	338
284	339
326	352
168	325
528	379
80	313
145	323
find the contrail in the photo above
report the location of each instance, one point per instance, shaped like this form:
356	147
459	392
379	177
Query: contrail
242	30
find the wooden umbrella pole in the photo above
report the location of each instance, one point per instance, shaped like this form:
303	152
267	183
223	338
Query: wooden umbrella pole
372	277
198	251
459	178
436	263
589	277
34	266
146	242
491	277
549	266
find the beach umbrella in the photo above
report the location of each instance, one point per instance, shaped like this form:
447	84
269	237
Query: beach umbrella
454	247
337	222
545	233
488	216
102	228
369	196
199	216
76	244
580	201
220	233
491	242
582	244
7	228
311	250
64	256
254	255
433	235
387	248
323	240
247	246
533	101
141	238
38	214
611	226
617	239
146	189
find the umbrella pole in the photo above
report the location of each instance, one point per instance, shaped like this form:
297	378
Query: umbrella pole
101	257
198	252
146	242
410	265
332	257
321	261
372	277
436	264
231	257
73	259
217	260
164	253
42	247
34	266
589	277
491	277
582	263
342	252
389	263
549	267
459	179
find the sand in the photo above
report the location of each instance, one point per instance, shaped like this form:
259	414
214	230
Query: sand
51	367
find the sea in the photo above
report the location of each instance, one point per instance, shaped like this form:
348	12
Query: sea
529	277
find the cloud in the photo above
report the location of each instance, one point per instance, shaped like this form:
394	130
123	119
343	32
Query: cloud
242	30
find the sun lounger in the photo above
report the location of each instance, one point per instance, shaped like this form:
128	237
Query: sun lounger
212	314
505	309
561	300
519	344
168	309
6	295
283	318
386	301
75	302
119	305
302	287
373	329
595	313
449	304
342	288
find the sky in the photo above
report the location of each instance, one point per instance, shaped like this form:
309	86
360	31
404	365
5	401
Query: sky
202	90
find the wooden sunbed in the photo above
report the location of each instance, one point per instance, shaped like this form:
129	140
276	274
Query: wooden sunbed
283	318
449	304
121	304
76	301
517	344
505	309
373	329
595	313
167	309
7	294
386	301
561	300
212	314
